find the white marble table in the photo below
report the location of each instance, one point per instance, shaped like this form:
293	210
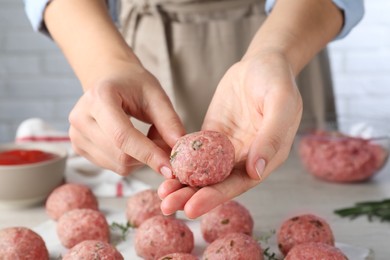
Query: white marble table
290	190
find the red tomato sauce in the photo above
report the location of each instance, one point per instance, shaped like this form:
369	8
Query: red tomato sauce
20	156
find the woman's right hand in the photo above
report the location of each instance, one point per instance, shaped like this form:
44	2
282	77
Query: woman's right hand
101	129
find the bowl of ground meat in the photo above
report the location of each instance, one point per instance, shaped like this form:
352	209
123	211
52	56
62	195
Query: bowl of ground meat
346	151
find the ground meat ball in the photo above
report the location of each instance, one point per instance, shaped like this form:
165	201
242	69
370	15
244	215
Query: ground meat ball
202	158
230	217
78	225
179	256
141	206
22	243
159	236
234	246
313	251
303	229
70	196
93	249
335	157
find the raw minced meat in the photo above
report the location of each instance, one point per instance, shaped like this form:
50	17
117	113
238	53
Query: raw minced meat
78	225
159	236
141	206
179	256
334	157
93	249
67	197
23	244
314	251
229	217
234	246
202	158
303	229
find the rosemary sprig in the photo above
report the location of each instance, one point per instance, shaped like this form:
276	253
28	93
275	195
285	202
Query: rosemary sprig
122	228
266	236
264	239
372	209
270	255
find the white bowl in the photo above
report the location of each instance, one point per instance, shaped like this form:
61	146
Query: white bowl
26	185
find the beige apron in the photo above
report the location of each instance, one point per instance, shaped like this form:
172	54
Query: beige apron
189	45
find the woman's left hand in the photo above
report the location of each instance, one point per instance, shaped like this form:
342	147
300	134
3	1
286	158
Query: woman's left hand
258	106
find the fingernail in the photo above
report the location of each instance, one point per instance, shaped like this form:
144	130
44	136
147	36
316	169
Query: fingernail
166	172
260	166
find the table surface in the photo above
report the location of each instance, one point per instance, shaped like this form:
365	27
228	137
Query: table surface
288	191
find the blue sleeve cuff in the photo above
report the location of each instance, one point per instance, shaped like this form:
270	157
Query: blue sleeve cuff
353	13
35	9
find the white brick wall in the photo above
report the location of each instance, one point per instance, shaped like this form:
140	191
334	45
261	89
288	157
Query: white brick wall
361	65
36	81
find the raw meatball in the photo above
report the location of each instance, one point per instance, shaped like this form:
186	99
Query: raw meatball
93	249
312	251
159	236
334	157
179	256
202	158
78	225
303	229
234	246
141	206
67	197
230	217
22	243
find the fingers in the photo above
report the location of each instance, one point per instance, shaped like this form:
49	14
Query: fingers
196	202
272	143
177	200
165	119
116	126
155	136
168	186
101	154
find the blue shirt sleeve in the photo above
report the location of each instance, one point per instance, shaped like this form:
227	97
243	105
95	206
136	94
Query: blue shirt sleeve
353	13
35	9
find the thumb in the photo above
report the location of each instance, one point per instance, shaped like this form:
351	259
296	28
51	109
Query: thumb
273	141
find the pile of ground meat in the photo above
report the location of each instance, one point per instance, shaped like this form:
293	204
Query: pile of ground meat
335	157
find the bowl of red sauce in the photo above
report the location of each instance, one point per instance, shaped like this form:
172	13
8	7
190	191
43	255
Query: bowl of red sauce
29	172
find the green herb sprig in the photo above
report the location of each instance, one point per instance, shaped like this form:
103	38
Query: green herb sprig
122	228
264	239
270	255
372	209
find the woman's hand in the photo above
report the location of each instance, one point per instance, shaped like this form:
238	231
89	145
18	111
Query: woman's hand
116	88
258	106
101	129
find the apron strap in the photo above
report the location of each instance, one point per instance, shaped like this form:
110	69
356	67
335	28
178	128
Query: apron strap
145	7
